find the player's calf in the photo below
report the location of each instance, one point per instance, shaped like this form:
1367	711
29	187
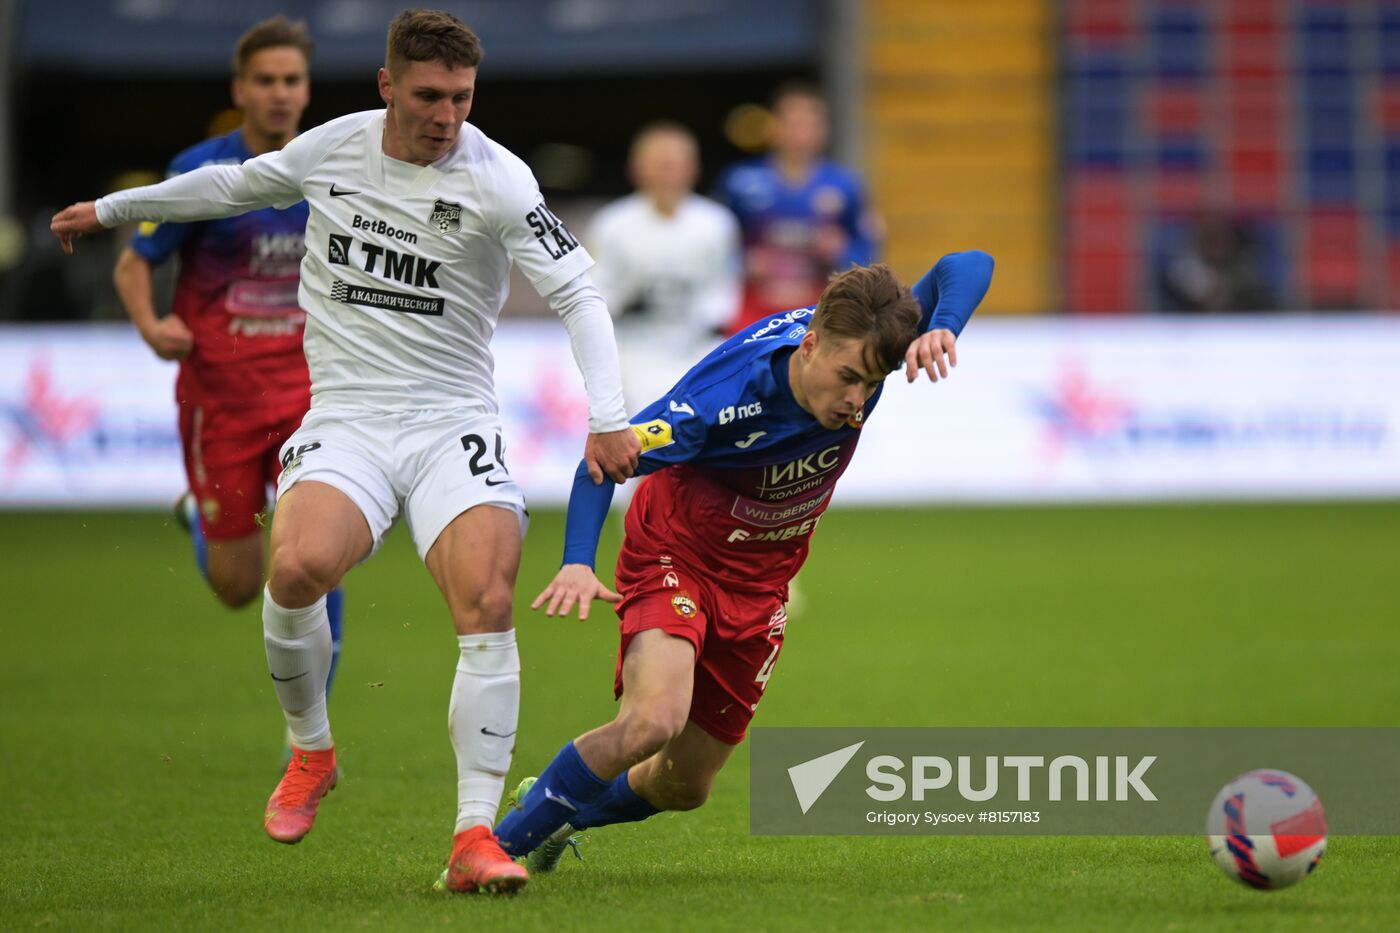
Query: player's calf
669	791
636	734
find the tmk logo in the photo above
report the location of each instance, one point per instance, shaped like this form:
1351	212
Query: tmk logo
739	412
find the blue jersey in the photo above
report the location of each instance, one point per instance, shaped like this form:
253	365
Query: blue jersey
742	472
237	293
788	231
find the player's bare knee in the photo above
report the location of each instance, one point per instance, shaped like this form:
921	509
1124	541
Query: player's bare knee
296	579
489	611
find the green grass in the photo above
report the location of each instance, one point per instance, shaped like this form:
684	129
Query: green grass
139	737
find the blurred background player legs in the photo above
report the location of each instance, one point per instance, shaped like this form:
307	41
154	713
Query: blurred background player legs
234	325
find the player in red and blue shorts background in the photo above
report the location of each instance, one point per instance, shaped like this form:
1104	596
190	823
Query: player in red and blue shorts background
234	323
743	455
803	216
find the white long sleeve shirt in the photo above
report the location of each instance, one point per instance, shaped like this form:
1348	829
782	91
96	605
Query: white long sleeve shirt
406	266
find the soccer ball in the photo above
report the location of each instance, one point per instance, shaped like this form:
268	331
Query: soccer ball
1267	829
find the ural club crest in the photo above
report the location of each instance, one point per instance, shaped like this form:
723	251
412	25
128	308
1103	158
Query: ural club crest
446	217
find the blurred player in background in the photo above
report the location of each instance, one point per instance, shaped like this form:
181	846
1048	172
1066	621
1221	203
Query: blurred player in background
668	264
803	216
415	219
744	453
235	325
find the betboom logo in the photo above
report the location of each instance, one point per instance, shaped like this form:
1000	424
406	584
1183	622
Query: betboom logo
1104	780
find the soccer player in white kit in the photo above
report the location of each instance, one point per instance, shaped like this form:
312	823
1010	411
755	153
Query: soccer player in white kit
669	264
415	218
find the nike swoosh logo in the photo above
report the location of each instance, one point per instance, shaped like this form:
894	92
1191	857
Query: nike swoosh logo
551	795
341	193
748	442
497	482
283	680
499	735
683	407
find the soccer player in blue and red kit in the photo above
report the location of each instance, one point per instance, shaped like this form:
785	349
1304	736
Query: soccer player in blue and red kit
803	216
234	324
743	454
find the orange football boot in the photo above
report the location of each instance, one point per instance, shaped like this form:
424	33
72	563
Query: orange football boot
479	864
292	807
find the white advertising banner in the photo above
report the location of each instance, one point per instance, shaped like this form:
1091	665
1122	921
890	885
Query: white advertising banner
1145	408
87	417
1038	410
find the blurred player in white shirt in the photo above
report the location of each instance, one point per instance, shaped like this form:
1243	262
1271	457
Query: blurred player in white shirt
668	263
416	217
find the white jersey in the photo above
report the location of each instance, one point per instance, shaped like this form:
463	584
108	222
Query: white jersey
679	276
406	266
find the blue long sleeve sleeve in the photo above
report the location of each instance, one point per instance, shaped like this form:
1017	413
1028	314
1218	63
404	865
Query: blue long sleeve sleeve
670	431
583	524
952	290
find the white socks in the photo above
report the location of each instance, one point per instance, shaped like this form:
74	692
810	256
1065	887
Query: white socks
298	643
482	719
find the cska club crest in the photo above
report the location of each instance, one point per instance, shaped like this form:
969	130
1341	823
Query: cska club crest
683	605
446	217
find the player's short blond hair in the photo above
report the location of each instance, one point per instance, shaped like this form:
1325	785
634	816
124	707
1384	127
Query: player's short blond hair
275	33
430	36
868	303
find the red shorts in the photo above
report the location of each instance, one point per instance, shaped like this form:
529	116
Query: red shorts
737	637
230	459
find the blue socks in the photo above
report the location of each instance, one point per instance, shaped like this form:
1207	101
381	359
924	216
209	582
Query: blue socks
618	804
564	789
201	548
335	609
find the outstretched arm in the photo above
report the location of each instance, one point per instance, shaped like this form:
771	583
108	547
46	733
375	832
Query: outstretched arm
948	294
611	449
202	194
668	431
576	581
950	291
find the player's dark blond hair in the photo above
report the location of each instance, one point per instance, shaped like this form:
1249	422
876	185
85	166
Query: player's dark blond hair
275	33
868	303
430	36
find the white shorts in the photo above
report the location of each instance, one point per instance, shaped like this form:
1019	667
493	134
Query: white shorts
430	465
